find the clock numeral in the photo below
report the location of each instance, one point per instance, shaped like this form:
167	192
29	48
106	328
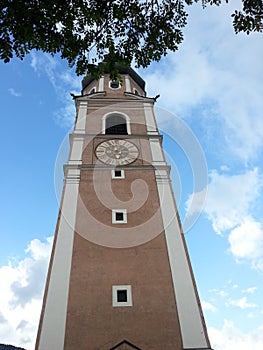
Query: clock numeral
122	142
100	151
112	142
130	146
122	162
103	157
111	161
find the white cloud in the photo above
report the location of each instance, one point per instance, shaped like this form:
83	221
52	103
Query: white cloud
44	63
34	60
13	92
65	115
250	290
2	318
63	82
222	293
229	198
232	338
208	306
230	206
21	295
195	202
218	75
242	303
246	241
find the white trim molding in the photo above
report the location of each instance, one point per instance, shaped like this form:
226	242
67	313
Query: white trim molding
127	83
125	116
52	332
123	288
189	311
119	211
75	157
81	118
157	152
93	90
101	84
150	120
114	176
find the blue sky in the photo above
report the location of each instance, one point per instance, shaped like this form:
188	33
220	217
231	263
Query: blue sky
213	86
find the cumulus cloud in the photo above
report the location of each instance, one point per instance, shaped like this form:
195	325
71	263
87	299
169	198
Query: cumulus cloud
246	242
21	294
229	206
62	81
2	318
249	290
229	337
65	115
208	306
242	303
229	198
211	79
13	92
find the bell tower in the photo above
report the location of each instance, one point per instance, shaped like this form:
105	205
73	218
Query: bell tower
119	275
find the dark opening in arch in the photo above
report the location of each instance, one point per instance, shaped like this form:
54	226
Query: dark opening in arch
116	125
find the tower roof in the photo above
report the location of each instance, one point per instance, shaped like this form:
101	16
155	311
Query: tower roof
122	70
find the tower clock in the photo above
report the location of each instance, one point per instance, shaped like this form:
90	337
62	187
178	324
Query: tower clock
117	152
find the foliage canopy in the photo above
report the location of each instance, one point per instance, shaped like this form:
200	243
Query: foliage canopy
86	32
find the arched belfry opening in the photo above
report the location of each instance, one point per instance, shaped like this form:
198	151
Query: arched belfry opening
116	125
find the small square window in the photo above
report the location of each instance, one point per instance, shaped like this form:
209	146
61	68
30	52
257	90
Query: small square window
117	174
121	296
119	216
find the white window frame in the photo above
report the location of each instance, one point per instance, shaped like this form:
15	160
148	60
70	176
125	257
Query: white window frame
115	211
95	90
128	121
115	302
113	176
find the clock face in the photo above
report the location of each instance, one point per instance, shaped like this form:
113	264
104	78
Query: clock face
117	152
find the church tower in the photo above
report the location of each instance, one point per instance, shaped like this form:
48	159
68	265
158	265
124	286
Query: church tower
119	276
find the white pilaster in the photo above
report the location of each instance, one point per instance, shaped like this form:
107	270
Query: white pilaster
157	153
190	319
81	119
150	120
76	150
54	320
80	129
127	84
101	84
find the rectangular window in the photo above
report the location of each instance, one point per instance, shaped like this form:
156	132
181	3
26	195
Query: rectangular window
119	216
117	174
121	296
